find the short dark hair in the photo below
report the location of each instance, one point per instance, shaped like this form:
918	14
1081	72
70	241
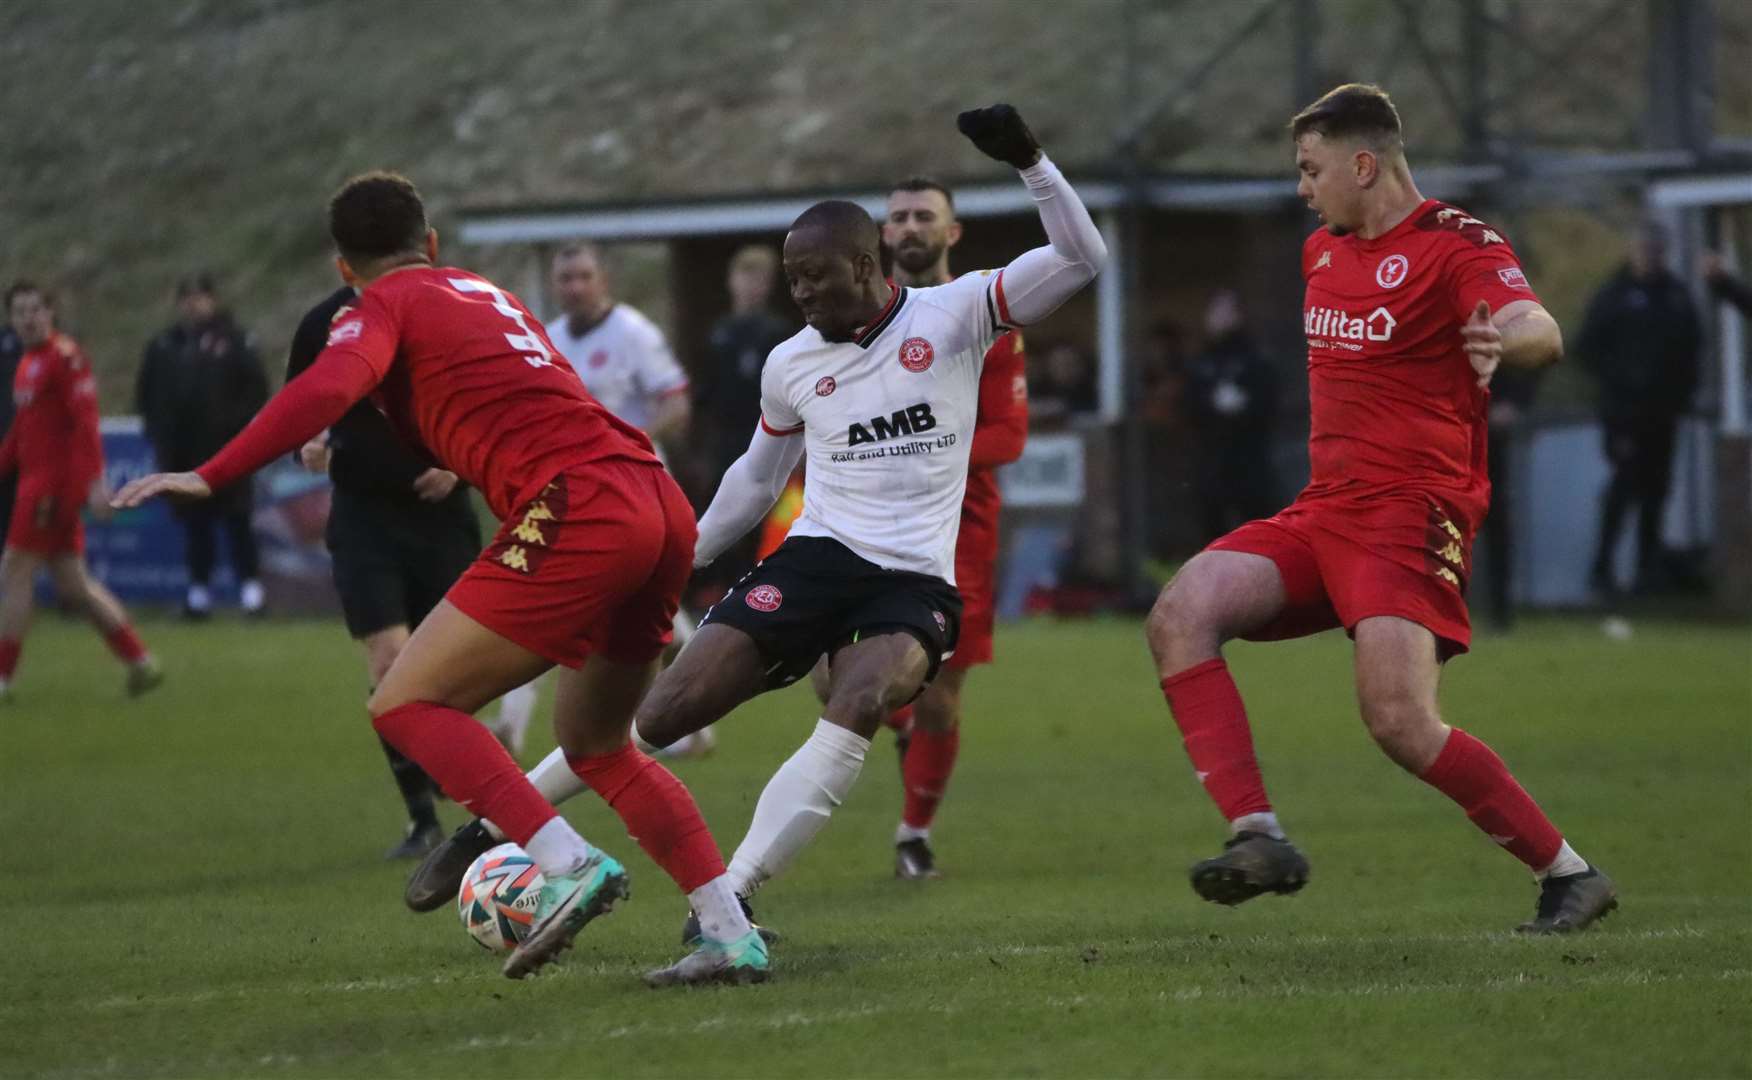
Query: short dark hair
847	226
1358	110
24	286
198	281
376	215
925	183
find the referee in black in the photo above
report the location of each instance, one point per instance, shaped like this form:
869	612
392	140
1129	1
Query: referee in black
400	532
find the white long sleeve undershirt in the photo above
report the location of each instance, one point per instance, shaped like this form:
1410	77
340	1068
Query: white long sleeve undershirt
1035	284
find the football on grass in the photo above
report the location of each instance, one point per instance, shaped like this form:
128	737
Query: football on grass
498	897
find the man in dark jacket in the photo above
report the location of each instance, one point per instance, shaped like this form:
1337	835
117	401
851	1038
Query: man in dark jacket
1640	339
200	383
11	348
1231	405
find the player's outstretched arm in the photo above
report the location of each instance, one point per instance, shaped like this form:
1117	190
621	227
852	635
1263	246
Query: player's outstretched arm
747	493
310	403
1038	281
1522	334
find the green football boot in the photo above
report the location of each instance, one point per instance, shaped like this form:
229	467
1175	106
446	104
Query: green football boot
568	903
736	962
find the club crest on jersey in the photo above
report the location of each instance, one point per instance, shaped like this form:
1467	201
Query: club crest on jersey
599	358
1391	273
764	598
916	354
351	330
825	386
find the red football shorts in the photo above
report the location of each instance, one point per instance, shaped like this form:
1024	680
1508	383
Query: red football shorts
1343	562
976	578
46	522
594	564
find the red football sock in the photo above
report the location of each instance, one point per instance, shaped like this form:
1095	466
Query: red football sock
658	811
9	650
1471	774
126	644
469	764
901	719
930	758
1213	725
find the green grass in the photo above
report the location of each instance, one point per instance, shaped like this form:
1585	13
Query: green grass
192	883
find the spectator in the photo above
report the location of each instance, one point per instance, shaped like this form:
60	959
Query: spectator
200	383
11	348
1511	395
1640	339
1066	381
727	392
1724	285
1231	408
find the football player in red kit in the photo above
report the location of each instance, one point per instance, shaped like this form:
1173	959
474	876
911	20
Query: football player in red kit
919	230
55	448
1411	305
595	547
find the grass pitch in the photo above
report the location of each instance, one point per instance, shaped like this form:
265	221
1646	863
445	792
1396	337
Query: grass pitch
193	883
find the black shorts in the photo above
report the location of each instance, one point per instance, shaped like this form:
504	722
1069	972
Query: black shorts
389	574
814	596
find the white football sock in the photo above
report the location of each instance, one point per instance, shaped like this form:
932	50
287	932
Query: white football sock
1566	863
557	848
1266	823
516	709
555	780
797	802
904	832
721	917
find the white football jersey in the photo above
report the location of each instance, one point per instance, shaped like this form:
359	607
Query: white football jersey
888	421
624	361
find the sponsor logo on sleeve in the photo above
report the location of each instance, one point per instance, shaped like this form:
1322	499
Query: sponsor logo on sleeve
343	332
764	598
1391	273
1513	277
916	354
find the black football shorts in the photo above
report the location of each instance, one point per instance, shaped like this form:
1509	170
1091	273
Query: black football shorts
814	596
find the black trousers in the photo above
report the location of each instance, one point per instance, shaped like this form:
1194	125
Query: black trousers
202	522
1640	450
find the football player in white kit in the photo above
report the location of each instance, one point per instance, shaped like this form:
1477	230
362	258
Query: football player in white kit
625	362
881	390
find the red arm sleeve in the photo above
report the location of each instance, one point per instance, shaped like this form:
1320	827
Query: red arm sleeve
86	459
1002	428
1482	266
310	403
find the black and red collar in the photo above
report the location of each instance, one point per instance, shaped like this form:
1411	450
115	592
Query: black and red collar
864	335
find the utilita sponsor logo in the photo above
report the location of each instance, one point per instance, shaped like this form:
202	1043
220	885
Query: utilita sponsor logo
1343	329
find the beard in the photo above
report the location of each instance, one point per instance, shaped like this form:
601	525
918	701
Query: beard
917	258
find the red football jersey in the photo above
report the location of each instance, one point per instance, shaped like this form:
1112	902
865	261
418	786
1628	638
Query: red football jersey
54	442
1395	404
469	373
999	432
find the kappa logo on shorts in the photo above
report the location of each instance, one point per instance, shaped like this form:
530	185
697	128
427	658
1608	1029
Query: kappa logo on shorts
916	354
764	598
942	622
1392	271
825	386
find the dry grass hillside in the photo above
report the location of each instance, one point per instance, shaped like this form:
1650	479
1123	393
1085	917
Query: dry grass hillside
146	137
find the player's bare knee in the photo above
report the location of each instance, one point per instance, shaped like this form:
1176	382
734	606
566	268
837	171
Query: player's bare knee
1182	627
1403	726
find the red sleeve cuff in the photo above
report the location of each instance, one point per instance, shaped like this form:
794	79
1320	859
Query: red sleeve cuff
780	432
1003	306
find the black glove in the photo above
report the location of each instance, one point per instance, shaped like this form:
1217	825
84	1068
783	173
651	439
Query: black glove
999	133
